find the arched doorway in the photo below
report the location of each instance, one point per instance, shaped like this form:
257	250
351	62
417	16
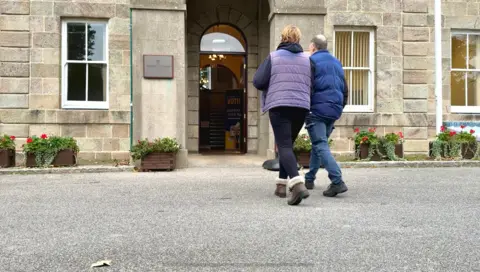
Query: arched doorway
223	93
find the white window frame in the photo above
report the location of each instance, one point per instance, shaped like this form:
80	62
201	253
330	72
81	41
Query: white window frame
370	69
66	104
463	109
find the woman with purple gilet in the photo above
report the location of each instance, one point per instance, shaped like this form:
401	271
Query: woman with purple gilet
284	79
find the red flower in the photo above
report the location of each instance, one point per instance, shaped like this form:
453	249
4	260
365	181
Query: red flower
365	138
400	134
12	138
442	129
44	136
357	130
462	126
139	141
472	131
372	130
452	133
29	140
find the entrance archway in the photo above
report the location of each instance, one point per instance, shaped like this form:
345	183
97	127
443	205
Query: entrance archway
223	90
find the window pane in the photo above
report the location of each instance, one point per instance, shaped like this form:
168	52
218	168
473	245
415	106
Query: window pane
473	87
361	42
457	88
76	81
76	41
343	47
348	74
459	51
359	90
97	82
473	51
96	42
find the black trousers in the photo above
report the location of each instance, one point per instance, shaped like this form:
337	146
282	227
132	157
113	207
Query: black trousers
287	123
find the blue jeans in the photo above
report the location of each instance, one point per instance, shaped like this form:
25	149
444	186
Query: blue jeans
319	130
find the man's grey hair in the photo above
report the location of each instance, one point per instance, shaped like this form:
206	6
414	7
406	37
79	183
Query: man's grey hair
320	42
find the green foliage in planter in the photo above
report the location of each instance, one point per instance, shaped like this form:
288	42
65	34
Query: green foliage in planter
7	142
161	145
447	144
303	144
375	143
369	138
389	141
46	148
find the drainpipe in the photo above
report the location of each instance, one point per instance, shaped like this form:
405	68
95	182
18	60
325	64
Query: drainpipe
438	64
131	83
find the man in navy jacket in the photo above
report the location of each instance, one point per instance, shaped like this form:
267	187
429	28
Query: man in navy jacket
328	99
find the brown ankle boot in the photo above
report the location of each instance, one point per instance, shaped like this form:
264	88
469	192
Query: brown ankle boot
281	190
298	190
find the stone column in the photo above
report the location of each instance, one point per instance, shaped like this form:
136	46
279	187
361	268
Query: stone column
14	56
160	104
418	65
309	17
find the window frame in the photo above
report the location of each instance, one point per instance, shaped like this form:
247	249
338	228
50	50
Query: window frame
371	69
463	109
92	105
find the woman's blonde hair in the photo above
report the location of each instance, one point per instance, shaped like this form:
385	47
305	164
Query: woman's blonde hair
291	34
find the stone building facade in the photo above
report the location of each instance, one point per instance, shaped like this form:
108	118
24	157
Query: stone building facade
386	46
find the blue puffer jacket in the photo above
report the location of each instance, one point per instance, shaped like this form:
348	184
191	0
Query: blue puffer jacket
329	89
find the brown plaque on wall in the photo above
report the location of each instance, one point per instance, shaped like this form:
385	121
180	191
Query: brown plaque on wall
157	67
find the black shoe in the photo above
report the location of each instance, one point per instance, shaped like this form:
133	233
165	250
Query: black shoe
335	189
310	185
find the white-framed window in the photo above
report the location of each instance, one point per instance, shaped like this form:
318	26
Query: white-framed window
85	64
465	72
355	50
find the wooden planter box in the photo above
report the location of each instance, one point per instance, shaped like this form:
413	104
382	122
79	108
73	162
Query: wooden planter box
64	158
158	161
303	159
363	154
468	150
7	158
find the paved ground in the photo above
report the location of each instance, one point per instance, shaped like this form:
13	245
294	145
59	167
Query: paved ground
218	219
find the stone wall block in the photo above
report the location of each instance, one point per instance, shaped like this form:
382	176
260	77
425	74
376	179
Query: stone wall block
14	39
388	33
392	19
14	85
14	23
84	9
349	19
14	54
389	48
415	19
415	49
416	34
52	24
418	63
11	101
415	132
417	105
22	116
415	77
415	91
89	144
49	129
73	130
46	40
420	6
44	101
19	131
12	69
45	70
416	146
15	7
42	8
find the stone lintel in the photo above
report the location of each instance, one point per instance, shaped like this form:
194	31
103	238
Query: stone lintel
154	5
297	11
